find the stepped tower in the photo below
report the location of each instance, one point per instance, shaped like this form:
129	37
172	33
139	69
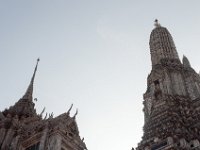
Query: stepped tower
21	128
172	99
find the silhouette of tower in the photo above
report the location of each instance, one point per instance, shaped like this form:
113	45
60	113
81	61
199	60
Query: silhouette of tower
172	99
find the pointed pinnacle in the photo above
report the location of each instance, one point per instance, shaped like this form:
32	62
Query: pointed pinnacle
186	62
29	91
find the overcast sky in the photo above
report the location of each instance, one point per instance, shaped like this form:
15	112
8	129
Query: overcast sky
94	54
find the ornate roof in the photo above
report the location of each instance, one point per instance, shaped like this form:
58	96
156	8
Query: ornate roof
27	128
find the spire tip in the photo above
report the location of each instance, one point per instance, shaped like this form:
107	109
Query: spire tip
29	91
156	23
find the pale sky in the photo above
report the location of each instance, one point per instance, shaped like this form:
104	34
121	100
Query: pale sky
94	54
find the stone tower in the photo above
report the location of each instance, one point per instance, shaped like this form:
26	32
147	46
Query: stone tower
21	128
172	99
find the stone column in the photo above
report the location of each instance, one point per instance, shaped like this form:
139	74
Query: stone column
2	133
54	142
8	139
15	142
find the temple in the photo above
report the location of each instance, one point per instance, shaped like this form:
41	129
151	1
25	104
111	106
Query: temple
172	99
21	128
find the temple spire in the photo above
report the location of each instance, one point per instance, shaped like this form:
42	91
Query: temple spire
162	46
186	62
29	91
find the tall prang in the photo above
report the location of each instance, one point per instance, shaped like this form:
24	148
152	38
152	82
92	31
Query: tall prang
172	99
21	128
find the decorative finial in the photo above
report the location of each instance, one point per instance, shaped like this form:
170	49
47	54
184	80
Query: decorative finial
70	109
42	112
75	113
156	23
51	115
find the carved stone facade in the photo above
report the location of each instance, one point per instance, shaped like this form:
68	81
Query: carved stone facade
21	128
172	99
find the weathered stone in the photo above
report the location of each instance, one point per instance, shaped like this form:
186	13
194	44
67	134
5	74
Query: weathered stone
172	99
